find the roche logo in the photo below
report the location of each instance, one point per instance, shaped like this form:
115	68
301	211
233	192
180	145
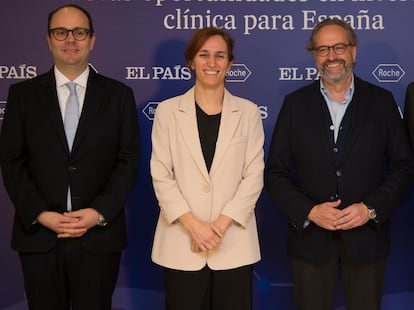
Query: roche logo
238	73
388	73
2	109
149	109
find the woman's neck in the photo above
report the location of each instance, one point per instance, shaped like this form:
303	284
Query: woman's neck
209	100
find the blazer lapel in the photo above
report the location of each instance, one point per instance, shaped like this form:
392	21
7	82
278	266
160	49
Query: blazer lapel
360	110
187	122
230	117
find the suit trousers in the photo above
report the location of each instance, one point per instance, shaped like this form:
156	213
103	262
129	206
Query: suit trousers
208	289
315	283
67	277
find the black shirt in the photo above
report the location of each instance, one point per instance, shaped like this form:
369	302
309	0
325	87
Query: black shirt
208	128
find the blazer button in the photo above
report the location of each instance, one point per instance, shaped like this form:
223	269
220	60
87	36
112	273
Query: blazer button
206	188
338	173
333	197
71	168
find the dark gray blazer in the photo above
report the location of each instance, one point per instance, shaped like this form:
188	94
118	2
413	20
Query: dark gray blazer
301	171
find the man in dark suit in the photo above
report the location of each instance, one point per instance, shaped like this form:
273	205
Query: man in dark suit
69	197
325	170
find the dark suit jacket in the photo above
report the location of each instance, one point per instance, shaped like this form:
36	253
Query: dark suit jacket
301	171
409	112
37	166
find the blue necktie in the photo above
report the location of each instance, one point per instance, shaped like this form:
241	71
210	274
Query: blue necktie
70	123
71	118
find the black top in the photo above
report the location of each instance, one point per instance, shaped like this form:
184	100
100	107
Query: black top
208	128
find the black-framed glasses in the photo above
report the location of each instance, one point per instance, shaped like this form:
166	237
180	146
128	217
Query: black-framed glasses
339	49
61	33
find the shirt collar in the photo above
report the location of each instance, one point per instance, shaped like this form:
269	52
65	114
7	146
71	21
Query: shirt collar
348	94
81	80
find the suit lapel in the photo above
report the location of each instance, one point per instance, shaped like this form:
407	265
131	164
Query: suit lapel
50	103
360	109
94	97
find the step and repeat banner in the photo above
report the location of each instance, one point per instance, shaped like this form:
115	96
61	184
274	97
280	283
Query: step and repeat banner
141	43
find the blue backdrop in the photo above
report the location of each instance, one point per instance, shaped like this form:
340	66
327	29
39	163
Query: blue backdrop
141	42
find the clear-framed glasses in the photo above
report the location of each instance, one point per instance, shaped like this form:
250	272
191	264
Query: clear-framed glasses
61	33
339	49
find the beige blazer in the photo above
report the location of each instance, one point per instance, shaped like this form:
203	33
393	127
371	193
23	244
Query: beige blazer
182	183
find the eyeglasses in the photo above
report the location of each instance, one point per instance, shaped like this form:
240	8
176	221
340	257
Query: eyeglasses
61	33
339	49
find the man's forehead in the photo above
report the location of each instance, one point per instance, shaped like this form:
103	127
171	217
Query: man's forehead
69	14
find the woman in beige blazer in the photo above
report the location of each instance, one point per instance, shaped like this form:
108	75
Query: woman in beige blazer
207	170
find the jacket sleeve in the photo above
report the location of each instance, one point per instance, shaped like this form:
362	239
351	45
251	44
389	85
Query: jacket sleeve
399	174
279	181
18	180
170	199
241	207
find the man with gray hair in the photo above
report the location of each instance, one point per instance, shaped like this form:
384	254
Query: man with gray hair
325	170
